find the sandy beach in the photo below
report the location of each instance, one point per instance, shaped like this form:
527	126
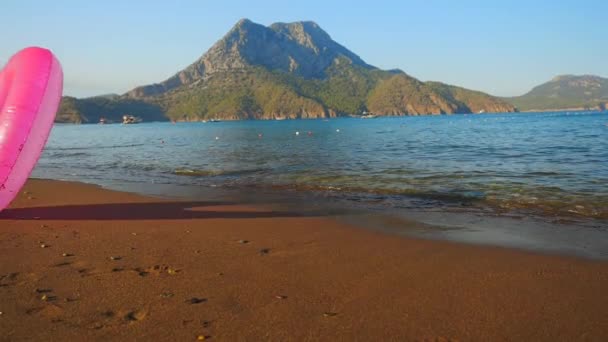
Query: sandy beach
80	263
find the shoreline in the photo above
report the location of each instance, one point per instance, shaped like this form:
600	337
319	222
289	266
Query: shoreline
349	116
138	267
521	231
579	109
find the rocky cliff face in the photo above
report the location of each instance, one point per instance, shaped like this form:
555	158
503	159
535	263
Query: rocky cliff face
287	70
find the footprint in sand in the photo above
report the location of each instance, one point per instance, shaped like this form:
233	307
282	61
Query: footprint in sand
43	290
141	272
48	298
108	314
85	272
49	311
83	269
8	279
62	264
111	318
135	316
156	270
195	300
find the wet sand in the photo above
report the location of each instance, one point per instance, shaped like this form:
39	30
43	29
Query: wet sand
82	263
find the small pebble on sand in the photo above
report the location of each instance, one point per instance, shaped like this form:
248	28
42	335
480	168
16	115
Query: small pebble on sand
243	241
115	258
281	297
201	337
67	254
330	314
44	245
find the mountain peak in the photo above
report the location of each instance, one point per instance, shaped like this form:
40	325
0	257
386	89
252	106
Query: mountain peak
306	25
306	33
243	24
561	77
243	21
569	77
301	48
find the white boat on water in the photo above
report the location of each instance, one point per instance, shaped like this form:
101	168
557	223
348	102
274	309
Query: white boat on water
130	119
367	115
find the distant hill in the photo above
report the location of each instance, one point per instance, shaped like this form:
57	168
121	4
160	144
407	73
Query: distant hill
90	110
285	70
565	92
110	96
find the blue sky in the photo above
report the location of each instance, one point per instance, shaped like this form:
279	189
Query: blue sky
500	47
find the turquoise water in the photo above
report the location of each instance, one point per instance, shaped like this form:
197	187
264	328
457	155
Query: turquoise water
549	164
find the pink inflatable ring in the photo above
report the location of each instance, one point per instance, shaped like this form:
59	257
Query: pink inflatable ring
30	91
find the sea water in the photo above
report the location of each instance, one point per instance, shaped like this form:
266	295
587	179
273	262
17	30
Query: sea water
553	166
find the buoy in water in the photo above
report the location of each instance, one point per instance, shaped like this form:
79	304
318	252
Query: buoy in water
338	130
297	133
